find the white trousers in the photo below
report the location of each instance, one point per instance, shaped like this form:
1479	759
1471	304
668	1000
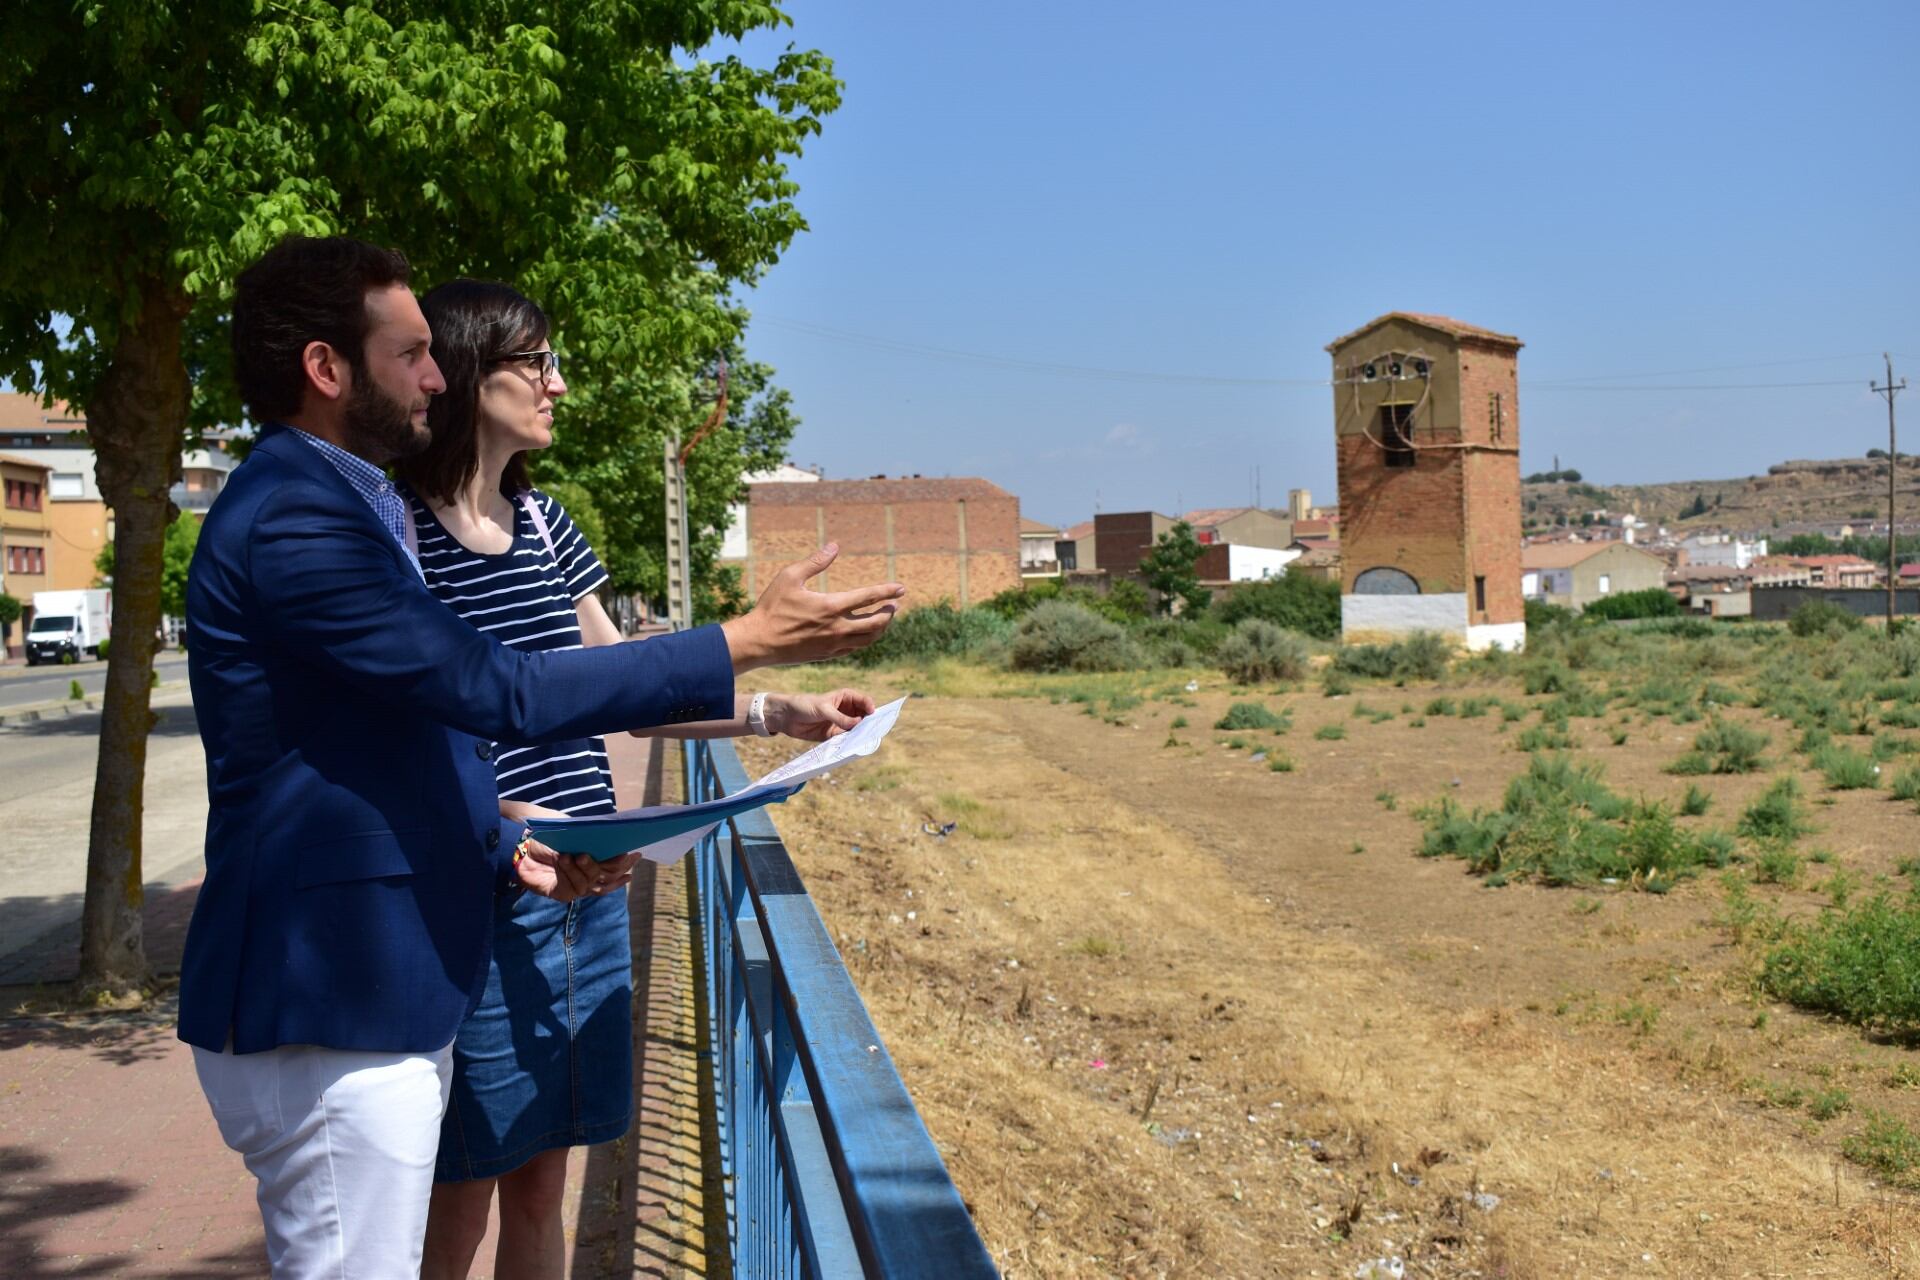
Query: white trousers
342	1145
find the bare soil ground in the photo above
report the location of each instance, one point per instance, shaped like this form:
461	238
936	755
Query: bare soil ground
1171	1013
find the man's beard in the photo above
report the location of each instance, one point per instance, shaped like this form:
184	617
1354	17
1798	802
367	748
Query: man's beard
381	428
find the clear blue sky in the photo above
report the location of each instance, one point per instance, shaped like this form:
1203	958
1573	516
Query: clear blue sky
1214	191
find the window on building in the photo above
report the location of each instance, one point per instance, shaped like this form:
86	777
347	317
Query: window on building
26	560
1396	433
66	484
1606	583
1496	417
23	495
1480	592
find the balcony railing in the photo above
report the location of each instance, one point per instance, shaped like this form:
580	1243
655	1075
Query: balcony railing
829	1169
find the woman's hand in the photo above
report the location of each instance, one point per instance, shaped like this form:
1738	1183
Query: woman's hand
815	717
564	877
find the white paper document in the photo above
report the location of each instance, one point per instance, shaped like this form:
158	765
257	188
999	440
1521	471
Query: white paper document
862	740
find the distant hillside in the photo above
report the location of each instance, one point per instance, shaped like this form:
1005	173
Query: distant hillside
1840	489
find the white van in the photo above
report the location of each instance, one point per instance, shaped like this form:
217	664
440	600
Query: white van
68	624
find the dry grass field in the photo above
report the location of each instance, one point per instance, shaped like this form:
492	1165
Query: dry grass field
1179	1001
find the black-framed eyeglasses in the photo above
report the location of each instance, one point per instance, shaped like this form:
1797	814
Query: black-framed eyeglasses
545	364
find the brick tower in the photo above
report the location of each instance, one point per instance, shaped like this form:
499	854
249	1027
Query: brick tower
1427	428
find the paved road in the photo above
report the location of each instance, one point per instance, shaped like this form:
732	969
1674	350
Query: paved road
21	685
46	800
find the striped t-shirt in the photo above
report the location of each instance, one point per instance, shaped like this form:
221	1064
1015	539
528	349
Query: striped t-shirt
524	598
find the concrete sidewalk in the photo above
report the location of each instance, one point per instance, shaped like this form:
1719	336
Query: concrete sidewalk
111	1165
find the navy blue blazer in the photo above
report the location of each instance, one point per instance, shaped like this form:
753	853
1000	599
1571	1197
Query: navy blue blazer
354	843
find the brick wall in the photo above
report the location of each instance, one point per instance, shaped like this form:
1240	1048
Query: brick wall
1490	415
1123	539
1408	518
954	540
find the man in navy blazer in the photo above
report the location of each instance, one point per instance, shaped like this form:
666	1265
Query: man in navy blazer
354	843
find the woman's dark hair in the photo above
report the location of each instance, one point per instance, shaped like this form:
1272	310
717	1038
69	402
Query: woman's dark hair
300	291
476	323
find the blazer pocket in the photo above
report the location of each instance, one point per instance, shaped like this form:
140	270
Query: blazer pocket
367	855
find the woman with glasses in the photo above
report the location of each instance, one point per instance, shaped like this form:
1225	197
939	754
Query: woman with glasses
545	1062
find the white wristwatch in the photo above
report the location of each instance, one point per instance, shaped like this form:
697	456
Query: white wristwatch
757	715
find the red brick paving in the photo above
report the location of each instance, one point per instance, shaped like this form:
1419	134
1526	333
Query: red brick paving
110	1164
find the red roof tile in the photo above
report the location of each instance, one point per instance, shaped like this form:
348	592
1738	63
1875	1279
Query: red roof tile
1445	324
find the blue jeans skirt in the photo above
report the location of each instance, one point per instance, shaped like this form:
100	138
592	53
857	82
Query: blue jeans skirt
546	1059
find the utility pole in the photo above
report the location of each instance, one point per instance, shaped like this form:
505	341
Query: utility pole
1889	391
679	552
679	543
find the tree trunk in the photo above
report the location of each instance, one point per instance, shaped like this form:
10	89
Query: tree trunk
136	419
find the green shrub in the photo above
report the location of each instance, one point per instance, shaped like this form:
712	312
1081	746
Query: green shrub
1335	683
1862	965
1260	651
1544	676
106	647
1280	762
1887	1147
1440	707
1545	737
1543	618
1654	602
1722	747
1251	715
1371	661
74	691
1846	769
1776	863
1296	601
1330	732
1906	786
934	631
1424	655
1777	814
1061	636
1887	746
1561	824
1016	602
1695	802
1817	617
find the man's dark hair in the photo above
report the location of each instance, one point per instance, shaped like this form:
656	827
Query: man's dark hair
300	291
475	324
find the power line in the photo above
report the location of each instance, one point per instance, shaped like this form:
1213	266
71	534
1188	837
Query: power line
1692	386
1716	368
1053	368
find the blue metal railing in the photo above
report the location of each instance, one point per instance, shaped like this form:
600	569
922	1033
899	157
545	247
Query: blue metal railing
829	1169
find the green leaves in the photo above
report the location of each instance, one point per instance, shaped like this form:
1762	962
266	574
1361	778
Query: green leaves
578	151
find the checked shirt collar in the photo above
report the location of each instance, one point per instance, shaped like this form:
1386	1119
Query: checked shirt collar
371	483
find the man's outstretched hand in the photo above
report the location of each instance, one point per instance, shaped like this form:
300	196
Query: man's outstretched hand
793	623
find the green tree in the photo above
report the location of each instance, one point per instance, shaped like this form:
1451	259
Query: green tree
1169	569
176	556
583	151
10	611
619	450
